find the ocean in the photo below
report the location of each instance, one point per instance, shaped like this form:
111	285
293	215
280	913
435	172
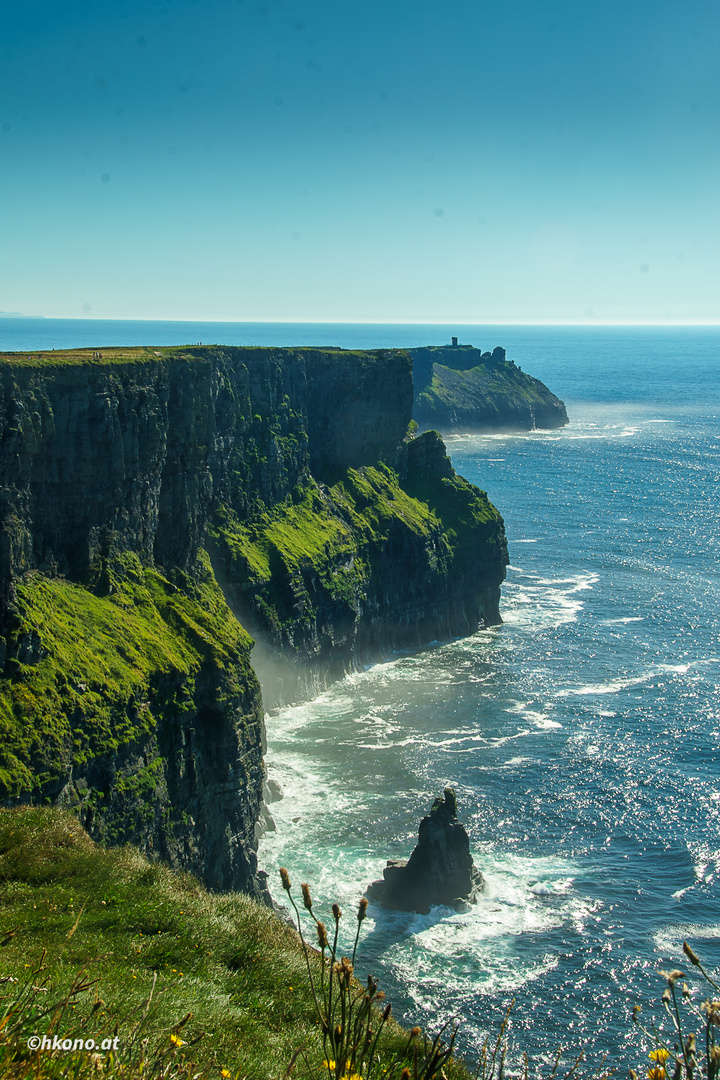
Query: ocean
581	736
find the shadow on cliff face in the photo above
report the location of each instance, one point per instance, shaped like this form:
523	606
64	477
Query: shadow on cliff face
156	506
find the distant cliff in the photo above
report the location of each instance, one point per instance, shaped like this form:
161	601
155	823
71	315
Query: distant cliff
459	388
157	507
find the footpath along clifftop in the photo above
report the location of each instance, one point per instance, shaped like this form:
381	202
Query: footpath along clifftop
159	509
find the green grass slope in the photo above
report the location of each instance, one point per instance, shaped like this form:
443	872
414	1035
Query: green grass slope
488	397
104	662
141	929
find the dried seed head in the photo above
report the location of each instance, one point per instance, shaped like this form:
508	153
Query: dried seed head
667	997
337	913
322	936
285	878
307	899
672	976
362	909
415	1033
405	1074
692	957
387	1010
712	1009
686	991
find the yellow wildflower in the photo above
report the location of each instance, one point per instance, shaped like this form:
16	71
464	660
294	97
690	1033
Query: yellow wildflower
660	1055
225	1073
176	1040
329	1064
656	1073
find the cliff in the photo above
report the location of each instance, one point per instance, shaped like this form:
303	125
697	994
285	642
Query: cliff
459	388
157	507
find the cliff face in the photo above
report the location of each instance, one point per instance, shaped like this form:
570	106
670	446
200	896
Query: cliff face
343	575
157	505
145	448
458	388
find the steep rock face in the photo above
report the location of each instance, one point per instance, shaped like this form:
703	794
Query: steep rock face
342	576
126	689
460	388
135	704
145	447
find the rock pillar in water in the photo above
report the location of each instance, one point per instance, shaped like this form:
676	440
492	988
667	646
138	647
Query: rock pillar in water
440	869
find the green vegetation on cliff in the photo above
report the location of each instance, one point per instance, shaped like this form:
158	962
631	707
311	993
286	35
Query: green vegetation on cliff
460	388
314	569
326	533
92	672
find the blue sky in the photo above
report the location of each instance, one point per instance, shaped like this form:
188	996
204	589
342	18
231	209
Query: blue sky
404	160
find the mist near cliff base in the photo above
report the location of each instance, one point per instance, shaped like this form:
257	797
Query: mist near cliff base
581	736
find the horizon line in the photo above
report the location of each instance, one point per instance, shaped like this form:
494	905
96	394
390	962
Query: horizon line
367	322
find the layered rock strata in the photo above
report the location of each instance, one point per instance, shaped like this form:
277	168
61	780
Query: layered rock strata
160	506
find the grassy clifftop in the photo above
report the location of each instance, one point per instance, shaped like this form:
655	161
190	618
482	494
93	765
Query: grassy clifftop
228	979
128	354
459	388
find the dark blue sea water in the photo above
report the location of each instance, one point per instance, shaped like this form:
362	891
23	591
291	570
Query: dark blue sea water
581	736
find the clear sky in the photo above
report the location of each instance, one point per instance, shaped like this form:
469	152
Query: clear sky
395	160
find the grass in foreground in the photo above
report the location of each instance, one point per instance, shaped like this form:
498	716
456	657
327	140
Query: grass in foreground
173	983
101	944
138	927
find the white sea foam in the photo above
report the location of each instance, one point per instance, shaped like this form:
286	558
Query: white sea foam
536	602
544	723
539	720
487	947
669	939
614	686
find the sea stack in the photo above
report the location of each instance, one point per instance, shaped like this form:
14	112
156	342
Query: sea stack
440	869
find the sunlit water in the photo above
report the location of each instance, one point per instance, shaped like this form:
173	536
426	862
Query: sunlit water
581	736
